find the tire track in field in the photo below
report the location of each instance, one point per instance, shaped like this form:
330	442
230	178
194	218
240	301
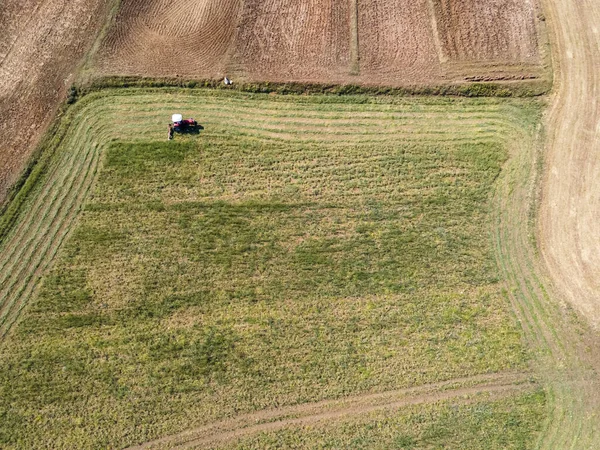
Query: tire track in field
494	385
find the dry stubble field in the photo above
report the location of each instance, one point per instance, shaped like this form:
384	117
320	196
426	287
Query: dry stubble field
397	42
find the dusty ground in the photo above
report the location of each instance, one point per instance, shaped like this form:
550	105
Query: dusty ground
390	42
570	210
41	42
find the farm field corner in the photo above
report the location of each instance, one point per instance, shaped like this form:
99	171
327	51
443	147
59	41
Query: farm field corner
301	249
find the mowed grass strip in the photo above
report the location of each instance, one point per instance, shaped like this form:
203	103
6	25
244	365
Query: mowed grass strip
263	263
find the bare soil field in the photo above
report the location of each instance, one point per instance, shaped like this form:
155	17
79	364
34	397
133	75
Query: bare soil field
290	39
395	43
471	30
168	38
486	38
41	43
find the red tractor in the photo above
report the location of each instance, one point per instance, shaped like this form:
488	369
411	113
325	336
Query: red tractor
181	125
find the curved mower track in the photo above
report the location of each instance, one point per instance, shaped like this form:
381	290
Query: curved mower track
570	209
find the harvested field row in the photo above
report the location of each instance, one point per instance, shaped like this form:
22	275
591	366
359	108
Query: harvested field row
287	39
494	30
397	43
158	37
293	248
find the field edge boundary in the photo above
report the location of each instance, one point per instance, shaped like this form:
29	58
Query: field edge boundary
494	89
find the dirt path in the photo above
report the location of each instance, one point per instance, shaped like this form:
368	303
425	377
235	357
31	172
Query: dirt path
494	385
565	354
570	210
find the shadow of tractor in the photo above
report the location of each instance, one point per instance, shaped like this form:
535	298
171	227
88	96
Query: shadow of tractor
189	129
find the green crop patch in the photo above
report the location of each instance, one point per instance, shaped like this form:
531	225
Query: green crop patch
298	249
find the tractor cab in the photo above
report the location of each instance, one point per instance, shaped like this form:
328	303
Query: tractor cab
177	119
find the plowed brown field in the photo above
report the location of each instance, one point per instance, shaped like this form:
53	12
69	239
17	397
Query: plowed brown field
290	39
475	30
389	42
397	43
165	37
41	43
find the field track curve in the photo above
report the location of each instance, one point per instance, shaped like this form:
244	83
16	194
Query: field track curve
52	209
493	385
569	225
567	230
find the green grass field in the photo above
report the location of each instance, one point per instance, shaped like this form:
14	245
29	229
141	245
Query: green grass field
299	249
